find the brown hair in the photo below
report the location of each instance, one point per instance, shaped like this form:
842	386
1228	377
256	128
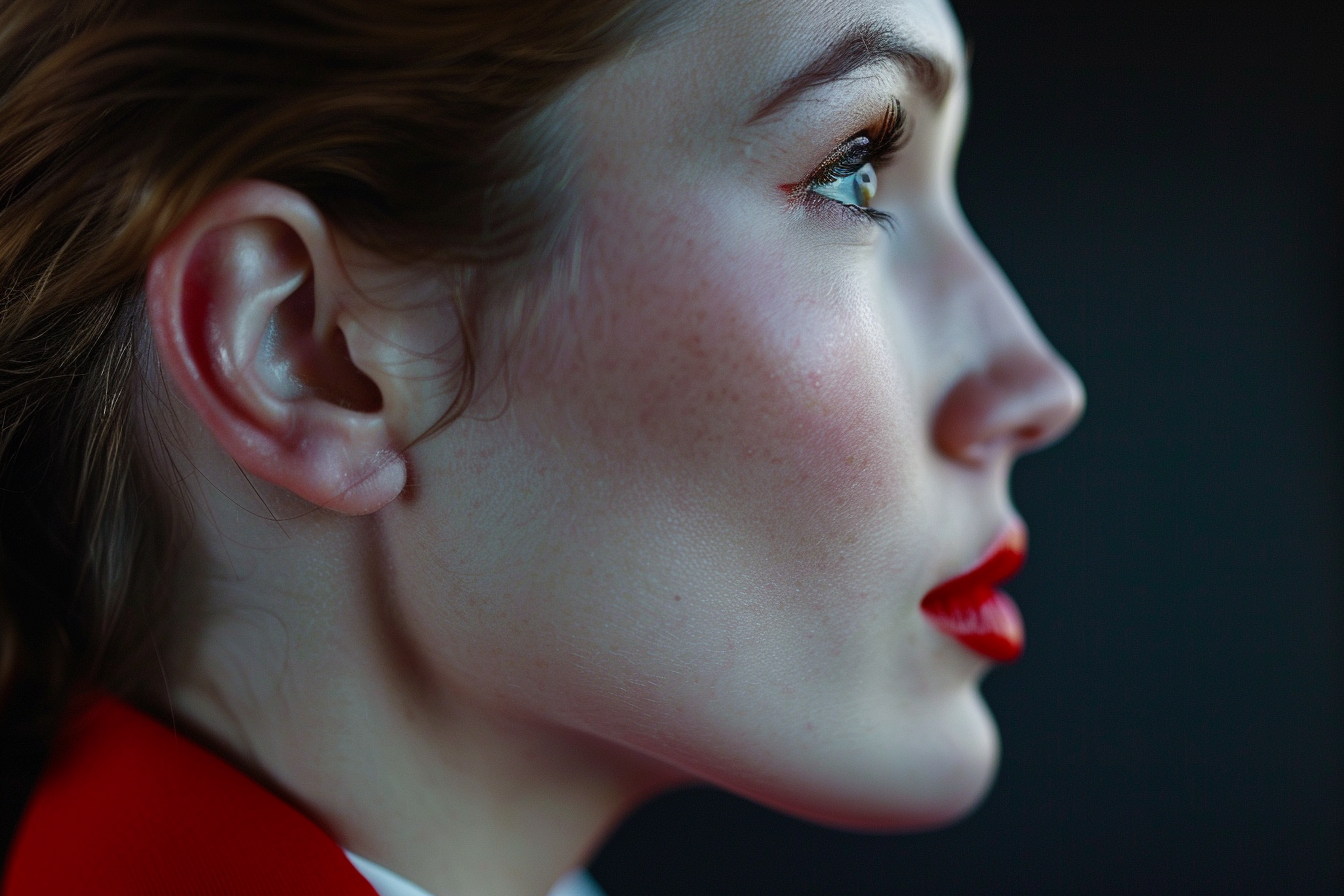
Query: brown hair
409	123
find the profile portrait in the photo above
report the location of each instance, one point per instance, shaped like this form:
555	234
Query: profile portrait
433	430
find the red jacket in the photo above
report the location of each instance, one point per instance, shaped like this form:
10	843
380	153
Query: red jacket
127	806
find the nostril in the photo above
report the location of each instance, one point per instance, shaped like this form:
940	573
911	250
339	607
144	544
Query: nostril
1023	402
1053	407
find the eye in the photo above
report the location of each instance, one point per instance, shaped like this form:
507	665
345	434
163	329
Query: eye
848	175
856	189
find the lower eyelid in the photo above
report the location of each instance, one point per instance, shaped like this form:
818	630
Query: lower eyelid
840	213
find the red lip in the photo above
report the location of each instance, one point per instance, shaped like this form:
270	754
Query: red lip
971	609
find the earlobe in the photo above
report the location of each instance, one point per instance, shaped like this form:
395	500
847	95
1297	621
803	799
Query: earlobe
246	300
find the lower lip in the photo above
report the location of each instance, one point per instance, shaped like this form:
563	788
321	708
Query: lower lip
974	612
986	621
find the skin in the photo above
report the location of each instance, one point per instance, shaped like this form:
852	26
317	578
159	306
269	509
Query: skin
685	538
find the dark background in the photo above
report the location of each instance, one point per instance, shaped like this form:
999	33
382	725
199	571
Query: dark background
1161	181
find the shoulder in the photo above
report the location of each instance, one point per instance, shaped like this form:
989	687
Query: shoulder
129	806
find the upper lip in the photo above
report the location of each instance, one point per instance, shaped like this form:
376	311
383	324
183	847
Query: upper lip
999	562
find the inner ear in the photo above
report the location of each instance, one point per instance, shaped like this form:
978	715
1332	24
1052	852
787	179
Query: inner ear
298	361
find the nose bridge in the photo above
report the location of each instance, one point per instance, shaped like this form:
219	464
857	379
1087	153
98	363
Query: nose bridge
1012	392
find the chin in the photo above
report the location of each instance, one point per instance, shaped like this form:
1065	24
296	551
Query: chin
933	777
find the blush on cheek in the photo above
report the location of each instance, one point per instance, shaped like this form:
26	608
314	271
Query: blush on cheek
740	377
848	421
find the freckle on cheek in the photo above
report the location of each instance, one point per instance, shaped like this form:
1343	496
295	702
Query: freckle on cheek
698	368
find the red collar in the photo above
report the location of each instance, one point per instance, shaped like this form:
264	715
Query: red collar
127	806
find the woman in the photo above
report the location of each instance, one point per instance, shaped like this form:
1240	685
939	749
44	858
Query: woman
468	423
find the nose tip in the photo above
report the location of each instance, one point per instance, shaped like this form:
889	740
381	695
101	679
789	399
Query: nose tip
1023	401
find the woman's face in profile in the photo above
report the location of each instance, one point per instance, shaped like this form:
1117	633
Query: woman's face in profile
777	403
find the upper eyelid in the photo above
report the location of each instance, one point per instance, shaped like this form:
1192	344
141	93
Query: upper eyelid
834	159
893	134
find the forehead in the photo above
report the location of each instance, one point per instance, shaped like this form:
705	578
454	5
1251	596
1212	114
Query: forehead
770	34
740	48
721	63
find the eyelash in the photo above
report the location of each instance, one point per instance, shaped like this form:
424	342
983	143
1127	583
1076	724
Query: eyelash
873	146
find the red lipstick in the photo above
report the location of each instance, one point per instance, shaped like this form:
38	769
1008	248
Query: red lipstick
970	607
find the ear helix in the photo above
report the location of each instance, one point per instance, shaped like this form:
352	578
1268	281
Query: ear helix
246	301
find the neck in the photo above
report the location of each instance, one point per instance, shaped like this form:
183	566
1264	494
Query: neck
475	806
307	688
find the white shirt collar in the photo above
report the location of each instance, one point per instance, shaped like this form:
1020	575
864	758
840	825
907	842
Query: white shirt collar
388	883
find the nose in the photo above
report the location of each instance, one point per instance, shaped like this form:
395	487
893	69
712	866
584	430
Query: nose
1021	402
1015	393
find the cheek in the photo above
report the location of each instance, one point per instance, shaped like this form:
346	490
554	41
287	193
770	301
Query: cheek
742	484
719	366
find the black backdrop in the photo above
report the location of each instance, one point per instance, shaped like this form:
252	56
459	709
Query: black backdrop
1161	181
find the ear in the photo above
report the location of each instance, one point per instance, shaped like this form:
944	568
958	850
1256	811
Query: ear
249	303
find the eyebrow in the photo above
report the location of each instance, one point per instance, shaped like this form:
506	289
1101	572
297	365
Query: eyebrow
858	48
